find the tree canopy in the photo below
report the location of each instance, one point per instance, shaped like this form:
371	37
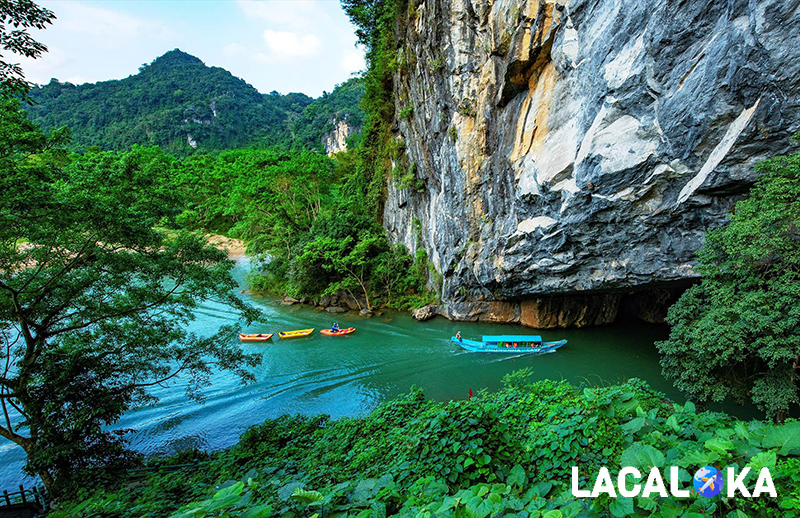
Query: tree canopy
95	297
737	333
16	17
186	107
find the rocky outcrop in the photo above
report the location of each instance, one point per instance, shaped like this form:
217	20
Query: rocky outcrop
569	151
559	311
335	140
342	299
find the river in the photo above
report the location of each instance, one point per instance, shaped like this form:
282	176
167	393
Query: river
350	375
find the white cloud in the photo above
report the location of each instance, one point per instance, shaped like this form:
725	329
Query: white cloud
112	27
284	44
353	61
234	49
77	80
88	42
260	57
97	40
40	70
293	14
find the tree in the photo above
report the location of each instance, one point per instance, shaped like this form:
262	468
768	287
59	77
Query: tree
95	297
351	262
21	15
737	333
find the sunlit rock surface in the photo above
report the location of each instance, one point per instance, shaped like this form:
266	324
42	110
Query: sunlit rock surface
335	141
583	147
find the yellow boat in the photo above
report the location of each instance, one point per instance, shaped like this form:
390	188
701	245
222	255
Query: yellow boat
295	334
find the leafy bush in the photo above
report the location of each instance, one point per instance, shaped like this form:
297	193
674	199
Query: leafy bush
735	334
503	454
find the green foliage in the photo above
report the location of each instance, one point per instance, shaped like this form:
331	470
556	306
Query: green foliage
94	298
410	180
467	107
406	113
295	209
453	133
232	499
436	65
21	15
509	453
319	117
736	333
268	198
177	98
375	22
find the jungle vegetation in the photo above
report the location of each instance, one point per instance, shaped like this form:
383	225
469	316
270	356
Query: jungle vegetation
736	335
185	107
508	453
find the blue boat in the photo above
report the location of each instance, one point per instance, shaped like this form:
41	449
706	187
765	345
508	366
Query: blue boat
509	344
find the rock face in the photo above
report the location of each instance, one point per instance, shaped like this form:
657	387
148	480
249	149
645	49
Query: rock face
336	140
583	146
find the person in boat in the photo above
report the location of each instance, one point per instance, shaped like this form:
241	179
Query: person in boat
458	335
335	327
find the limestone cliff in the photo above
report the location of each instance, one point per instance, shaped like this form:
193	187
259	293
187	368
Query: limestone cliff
582	146
335	141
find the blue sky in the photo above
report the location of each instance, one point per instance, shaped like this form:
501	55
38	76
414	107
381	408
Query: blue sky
285	45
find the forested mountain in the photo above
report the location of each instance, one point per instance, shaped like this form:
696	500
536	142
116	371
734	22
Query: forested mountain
182	105
321	118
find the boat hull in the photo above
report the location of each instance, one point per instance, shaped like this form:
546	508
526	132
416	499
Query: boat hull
346	331
254	337
299	333
475	346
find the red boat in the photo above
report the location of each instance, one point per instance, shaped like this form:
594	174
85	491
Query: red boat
330	332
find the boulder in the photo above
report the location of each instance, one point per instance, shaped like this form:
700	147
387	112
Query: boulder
424	313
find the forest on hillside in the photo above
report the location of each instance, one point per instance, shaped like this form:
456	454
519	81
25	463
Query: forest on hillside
185	107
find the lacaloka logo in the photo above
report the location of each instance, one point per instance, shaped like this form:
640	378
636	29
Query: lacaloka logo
707	481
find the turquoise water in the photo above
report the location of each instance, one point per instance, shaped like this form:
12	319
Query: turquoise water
350	375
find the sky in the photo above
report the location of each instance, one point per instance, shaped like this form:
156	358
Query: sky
287	46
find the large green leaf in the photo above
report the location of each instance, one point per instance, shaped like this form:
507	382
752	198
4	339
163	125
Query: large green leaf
621	506
307	497
285	492
719	445
642	456
517	477
765	459
698	458
634	425
477	507
261	511
786	438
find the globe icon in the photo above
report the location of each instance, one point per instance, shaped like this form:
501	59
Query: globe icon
708	481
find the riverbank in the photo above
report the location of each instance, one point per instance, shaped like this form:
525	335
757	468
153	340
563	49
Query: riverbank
235	248
508	452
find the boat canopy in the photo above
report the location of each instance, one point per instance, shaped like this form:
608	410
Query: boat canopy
511	338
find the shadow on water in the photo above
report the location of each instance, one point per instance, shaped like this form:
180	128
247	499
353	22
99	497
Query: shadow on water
350	375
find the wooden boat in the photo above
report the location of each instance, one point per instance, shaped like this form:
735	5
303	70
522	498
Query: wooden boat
509	344
296	334
254	337
345	331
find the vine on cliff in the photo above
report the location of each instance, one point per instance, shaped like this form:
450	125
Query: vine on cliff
376	22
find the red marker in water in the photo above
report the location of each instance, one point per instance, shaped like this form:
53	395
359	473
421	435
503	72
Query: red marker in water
470	395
